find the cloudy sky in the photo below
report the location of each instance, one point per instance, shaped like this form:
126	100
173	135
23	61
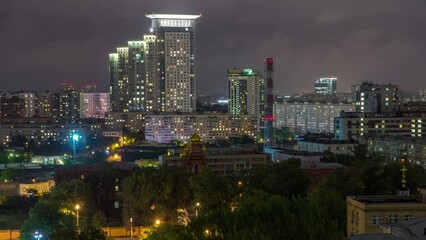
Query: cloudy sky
47	42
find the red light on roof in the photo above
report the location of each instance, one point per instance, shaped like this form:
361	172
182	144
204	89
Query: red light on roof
269	60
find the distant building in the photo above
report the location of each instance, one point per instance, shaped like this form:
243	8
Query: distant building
45	104
394	147
246	93
322	145
164	128
175	60
221	161
94	105
43	133
12	107
131	121
127	85
376	98
353	125
69	104
29	103
304	117
158	72
326	86
365	214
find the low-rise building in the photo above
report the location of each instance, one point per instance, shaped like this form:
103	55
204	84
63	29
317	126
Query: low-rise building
41	133
321	145
222	161
365	214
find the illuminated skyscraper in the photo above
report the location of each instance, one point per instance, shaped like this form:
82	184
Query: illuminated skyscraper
156	73
127	78
94	105
175	58
326	86
246	93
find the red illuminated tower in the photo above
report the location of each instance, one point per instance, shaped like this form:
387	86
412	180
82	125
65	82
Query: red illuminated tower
269	106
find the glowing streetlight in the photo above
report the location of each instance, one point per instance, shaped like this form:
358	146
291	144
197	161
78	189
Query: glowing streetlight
74	147
197	205
38	236
157	222
77	207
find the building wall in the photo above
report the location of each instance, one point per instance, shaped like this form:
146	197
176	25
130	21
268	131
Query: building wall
94	105
164	128
41	187
334	146
354	125
360	215
397	147
308	117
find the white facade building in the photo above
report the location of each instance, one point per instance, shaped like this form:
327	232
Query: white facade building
309	117
164	128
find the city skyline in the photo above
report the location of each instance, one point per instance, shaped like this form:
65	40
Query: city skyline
68	41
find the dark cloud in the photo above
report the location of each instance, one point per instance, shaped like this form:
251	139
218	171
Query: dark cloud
46	42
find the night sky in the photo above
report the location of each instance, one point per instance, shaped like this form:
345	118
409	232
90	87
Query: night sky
48	42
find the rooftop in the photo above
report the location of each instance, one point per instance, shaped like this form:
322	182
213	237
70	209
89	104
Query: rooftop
172	16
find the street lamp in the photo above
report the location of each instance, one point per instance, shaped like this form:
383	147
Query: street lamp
131	228
157	222
77	207
197	205
37	235
74	147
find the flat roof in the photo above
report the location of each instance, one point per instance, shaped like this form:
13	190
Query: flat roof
386	199
172	16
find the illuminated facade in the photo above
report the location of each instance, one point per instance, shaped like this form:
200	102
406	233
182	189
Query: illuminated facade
45	103
42	133
164	128
132	121
156	73
94	105
127	77
246	93
175	57
29	103
326	86
303	117
353	125
376	98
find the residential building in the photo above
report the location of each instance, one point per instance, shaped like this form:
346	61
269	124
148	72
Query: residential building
12	107
164	128
94	105
69	101
394	147
304	117
45	104
127	77
246	93
376	98
326	86
29	103
321	145
175	58
43	133
365	214
353	125
131	121
158	72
